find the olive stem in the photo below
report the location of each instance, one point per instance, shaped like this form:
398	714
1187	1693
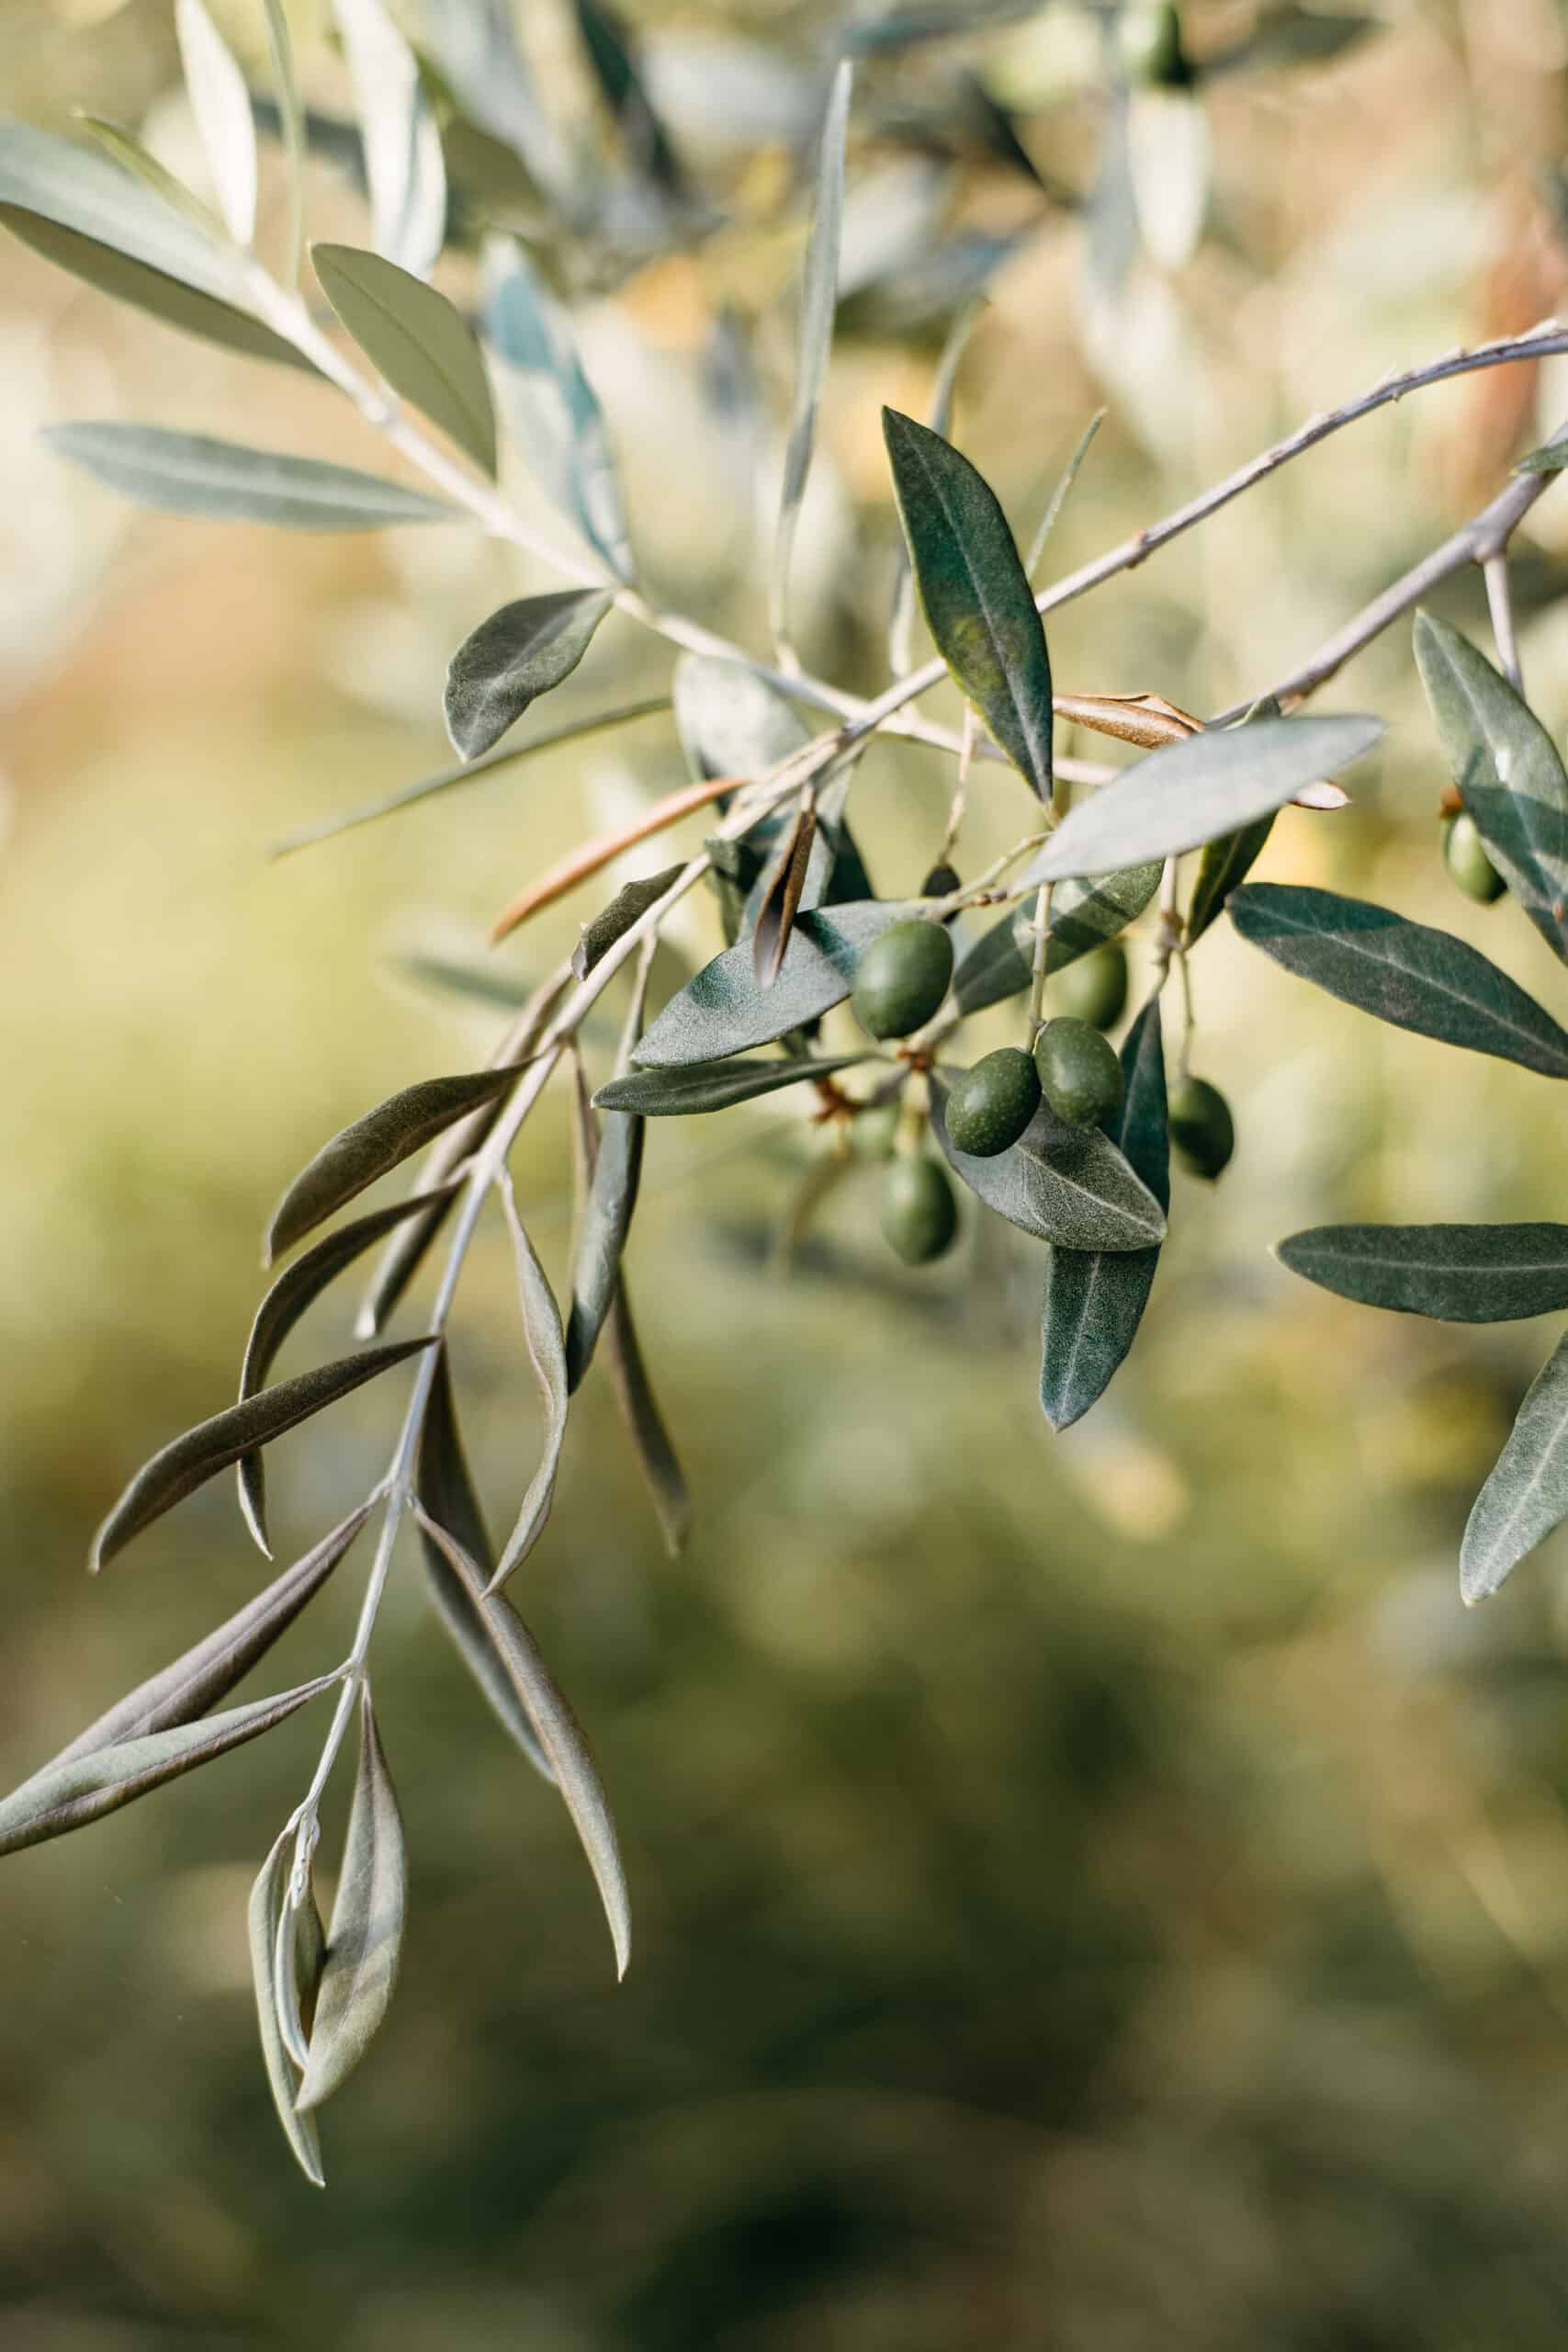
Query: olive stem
1500	605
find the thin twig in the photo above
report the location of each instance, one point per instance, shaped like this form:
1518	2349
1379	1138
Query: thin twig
1500	605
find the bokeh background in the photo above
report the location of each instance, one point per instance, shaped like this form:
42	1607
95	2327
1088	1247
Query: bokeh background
1097	1892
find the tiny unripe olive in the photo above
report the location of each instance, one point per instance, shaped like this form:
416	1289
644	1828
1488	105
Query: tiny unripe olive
991	1104
875	1131
1465	855
1148	46
902	979
920	1215
1202	1133
1079	1074
1094	988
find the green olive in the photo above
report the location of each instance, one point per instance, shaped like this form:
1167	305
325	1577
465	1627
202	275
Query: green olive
1465	855
1148	46
1079	1074
920	1215
991	1104
875	1131
902	979
1202	1133
1094	988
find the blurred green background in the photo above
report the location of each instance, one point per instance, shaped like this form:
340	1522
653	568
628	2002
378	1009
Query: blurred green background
1100	1891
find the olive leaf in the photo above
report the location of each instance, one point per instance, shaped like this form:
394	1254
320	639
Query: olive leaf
403	166
1551	459
1095	1299
1060	495
373	1145
1455	1273
1291	35
974	593
424	348
519	653
1082	915
191	473
299	1959
780	892
1191	792
291	124
478	983
1507	772
1526	1494
189	1460
1227	862
221	105
266	1908
294	1290
367	1924
722	1011
68	1795
712	1086
628	907
542	1329
1403	972
125	149
170	299
938	417
903	28
730	721
620	78
606	1220
813	336
1059	1184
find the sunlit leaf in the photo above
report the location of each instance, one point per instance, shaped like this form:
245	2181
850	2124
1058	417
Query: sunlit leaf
189	473
266	1908
1455	1273
1068	1185
367	1924
519	653
730	721
58	180
1526	1495
722	1011
128	280
124	148
424	348
403	167
373	1145
1083	915
814	334
547	1350
221	105
711	1086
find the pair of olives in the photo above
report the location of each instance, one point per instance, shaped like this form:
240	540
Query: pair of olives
1465	855
1073	1069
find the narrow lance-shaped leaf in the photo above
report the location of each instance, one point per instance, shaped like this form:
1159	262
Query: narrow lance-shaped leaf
814	334
542	1329
628	906
519	653
712	1086
67	1796
221	105
299	1959
125	149
191	473
265	1906
1403	972
424	348
901	618
1455	1273
367	1924
1082	916
1059	1184
1095	1299
732	723
722	1011
1191	793
294	1290
373	1145
1227	862
291	124
620	78
974	593
606	1222
1526	1494
218	1444
169	300
403	166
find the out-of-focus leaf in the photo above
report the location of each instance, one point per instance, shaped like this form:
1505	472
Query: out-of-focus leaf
189	473
67	1796
424	348
290	125
722	1011
620	78
606	1221
1068	1186
1083	915
918	301
903	28
781	892
519	653
481	983
1403	972
1507	771
294	1290
814	334
375	1144
1095	1298
1060	495
124	148
711	1086
973	593
1111	243
554	414
1550	458
645	1424
547	1350
128	280
403	166
730	721
628	906
1526	1495
1191	793
1167	167
900	625
476	49
266	1909
221	105
367	1924
189	1460
1292	35
1227	863
1455	1273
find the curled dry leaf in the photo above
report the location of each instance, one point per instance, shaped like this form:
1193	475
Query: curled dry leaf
367	1924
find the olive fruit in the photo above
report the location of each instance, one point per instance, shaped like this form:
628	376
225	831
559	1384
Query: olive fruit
1079	1074
1148	46
1202	1133
1094	988
902	979
991	1104
1465	855
919	1215
875	1131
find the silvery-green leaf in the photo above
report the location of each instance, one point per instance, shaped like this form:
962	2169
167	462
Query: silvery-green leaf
221	105
606	1221
1110	241
560	1736
127	279
645	1425
722	1011
56	180
1507	771
1455	1273
547	1350
367	1924
625	89
1083	915
68	1795
519	653
424	348
1062	1184
294	1290
189	1460
730	721
266	1907
447	1499
477	51
973	593
372	1146
1060	495
1095	1298
291	126
189	473
814	334
628	906
480	983
900	625
1526	1495
554	414
403	168
1550	458
298	1958
711	1086
1191	792
1168	166
125	149
1403	972
1227	862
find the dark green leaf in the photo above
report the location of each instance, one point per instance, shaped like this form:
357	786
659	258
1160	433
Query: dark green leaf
1526	1495
722	1011
541	1329
974	593
1455	1273
628	906
606	1221
172	300
814	333
222	106
518	654
1095	1298
218	1444
711	1086
1083	915
1068	1185
1403	972
620	78
187	473
376	1144
645	1425
367	1924
555	417
424	348
902	616
265	1910
1548	460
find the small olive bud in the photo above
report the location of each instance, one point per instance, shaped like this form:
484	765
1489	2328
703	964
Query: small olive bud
1094	988
1202	1133
902	979
991	1104
920	1215
1465	855
1079	1074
